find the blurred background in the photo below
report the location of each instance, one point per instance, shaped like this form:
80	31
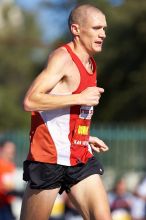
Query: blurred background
30	30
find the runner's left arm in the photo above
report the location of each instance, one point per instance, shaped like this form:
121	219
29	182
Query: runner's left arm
97	144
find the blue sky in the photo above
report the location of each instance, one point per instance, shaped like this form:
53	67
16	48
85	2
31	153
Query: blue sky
30	5
52	22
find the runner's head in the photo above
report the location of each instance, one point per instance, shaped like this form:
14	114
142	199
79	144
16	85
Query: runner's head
87	25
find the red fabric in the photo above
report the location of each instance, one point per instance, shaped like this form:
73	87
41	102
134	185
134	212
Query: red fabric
80	153
42	146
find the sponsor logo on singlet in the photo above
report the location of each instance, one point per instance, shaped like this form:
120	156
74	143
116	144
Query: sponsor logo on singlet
83	130
86	112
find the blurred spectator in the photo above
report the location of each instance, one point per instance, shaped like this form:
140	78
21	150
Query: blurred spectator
137	211
7	171
121	201
140	192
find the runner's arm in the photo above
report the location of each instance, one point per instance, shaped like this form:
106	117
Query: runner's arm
39	98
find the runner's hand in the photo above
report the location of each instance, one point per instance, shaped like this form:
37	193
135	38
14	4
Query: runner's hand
98	145
91	96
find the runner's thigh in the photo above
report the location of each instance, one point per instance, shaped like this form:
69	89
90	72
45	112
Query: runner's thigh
90	198
37	204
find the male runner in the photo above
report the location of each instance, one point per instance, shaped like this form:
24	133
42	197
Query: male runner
61	101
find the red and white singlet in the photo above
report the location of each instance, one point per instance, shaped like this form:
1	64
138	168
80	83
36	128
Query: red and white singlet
62	136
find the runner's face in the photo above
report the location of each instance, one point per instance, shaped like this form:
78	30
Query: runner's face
92	33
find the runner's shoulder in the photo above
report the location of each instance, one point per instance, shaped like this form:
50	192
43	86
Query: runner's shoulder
60	54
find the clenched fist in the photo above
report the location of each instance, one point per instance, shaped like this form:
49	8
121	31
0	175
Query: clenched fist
91	96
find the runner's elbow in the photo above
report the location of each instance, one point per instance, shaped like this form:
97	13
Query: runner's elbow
28	105
32	102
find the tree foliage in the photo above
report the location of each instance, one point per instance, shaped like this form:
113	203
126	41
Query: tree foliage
123	64
17	66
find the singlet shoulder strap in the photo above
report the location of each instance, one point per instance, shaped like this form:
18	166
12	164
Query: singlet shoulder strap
78	62
73	56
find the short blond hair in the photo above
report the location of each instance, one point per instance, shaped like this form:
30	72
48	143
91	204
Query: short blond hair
79	14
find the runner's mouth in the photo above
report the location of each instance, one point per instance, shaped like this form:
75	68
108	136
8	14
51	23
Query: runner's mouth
99	43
